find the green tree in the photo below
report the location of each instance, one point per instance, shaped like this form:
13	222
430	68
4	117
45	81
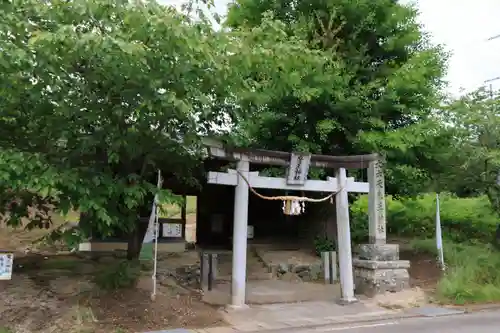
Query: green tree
473	155
378	91
98	95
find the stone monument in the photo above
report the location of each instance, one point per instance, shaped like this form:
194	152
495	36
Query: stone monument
378	268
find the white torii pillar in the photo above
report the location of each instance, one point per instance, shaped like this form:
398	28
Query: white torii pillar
240	227
344	239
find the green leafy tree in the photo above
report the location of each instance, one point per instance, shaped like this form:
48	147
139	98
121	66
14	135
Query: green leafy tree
473	158
98	95
379	87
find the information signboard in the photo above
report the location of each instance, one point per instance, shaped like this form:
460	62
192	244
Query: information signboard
6	264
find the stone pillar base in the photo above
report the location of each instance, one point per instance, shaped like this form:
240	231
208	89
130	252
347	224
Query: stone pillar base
379	270
348	301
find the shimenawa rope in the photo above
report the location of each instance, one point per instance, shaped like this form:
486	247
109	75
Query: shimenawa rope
286	197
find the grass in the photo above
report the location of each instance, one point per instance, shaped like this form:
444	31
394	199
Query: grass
5	330
63	264
19	239
119	275
167	211
472	272
174	211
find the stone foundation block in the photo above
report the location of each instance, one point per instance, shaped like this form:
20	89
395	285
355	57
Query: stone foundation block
375	265
377	277
378	270
379	252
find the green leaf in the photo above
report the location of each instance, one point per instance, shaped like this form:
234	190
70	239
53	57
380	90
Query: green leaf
97	97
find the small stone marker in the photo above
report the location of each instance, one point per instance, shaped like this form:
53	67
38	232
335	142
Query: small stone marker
208	270
329	260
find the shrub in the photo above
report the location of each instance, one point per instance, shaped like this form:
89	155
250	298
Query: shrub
471	275
323	244
119	275
359	220
468	225
462	219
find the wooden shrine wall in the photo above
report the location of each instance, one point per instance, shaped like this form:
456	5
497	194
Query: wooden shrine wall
215	209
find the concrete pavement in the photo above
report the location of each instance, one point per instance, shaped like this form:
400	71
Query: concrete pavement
487	321
257	318
480	322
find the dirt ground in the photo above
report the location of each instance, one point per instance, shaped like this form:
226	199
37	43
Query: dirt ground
424	275
58	294
53	290
424	271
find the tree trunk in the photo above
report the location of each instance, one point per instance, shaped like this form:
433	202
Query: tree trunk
85	224
134	245
135	238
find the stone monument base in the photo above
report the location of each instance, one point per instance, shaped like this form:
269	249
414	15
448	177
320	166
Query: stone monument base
379	270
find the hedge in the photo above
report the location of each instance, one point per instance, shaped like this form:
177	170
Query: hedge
462	219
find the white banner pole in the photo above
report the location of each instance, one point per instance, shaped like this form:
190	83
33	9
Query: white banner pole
439	236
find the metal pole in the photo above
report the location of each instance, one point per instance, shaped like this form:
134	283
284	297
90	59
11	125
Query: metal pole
156	235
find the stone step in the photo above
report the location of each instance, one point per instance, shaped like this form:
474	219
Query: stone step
253	277
260	276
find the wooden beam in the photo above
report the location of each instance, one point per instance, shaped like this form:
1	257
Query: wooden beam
222	178
311	185
358	187
280	158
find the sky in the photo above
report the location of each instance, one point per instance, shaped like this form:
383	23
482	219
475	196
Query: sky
463	28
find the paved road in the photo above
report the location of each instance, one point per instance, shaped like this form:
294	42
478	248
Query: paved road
480	322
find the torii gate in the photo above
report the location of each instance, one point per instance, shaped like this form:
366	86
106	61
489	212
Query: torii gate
298	166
